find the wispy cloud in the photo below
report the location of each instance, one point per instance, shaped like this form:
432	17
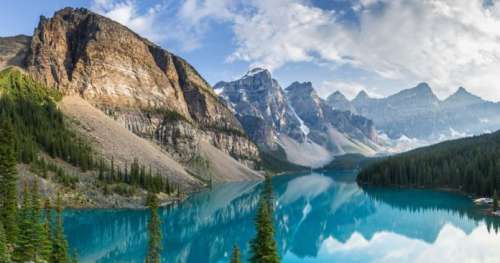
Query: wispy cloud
447	43
127	13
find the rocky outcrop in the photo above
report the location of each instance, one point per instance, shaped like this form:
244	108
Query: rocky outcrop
13	50
321	119
338	101
295	121
262	107
150	91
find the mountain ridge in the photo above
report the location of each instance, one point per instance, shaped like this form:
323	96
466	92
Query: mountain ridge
145	89
418	113
295	120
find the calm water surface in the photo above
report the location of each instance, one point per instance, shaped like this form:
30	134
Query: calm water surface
320	217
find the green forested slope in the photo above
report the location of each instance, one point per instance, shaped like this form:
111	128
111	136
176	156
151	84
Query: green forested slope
471	165
38	124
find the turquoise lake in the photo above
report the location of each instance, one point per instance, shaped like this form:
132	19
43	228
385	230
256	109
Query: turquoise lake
319	217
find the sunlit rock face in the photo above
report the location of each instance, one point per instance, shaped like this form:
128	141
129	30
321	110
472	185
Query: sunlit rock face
154	93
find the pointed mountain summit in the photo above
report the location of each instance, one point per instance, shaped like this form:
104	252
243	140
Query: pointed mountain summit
306	102
338	101
462	98
107	71
295	121
256	71
262	107
420	92
418	113
362	95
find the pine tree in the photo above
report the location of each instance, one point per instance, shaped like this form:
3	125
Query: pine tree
4	252
155	235
40	239
236	255
8	182
59	243
25	248
46	236
495	201
263	246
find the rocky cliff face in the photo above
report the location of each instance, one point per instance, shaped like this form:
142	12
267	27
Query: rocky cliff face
297	120
338	101
154	93
13	50
262	107
326	124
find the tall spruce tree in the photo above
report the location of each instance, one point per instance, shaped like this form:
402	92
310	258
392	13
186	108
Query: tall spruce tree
4	251
45	246
59	243
236	255
8	182
155	235
25	247
40	238
263	246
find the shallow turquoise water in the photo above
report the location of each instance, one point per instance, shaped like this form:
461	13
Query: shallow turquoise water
320	217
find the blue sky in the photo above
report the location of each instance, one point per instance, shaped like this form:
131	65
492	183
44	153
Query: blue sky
380	46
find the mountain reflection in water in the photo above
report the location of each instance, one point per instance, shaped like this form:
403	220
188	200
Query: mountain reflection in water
319	218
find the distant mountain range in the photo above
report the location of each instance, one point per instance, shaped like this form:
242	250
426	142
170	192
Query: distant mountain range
298	125
418	113
113	80
295	121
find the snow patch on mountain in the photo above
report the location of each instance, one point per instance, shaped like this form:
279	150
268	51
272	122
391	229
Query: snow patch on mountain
303	126
254	72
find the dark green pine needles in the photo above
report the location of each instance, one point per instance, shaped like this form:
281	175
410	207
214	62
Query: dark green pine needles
154	228
24	234
8	182
263	246
4	252
59	243
470	165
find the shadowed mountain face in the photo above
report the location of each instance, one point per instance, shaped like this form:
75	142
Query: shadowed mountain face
338	101
314	212
296	120
262	107
144	88
418	113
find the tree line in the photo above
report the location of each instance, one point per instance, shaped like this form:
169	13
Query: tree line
40	126
471	165
27	233
136	175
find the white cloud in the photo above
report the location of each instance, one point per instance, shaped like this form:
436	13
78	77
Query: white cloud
451	245
127	13
447	43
